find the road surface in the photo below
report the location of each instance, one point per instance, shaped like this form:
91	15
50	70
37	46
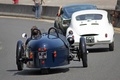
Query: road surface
102	64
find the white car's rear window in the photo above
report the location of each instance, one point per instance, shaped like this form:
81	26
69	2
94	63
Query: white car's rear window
89	16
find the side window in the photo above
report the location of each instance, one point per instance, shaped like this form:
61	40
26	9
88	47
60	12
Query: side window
61	12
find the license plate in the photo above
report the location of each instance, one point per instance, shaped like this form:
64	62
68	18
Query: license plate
42	55
89	39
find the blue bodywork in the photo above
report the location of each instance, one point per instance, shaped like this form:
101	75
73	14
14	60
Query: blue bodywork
51	43
49	50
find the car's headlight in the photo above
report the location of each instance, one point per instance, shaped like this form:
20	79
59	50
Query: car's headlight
66	22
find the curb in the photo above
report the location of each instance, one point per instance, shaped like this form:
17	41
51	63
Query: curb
117	30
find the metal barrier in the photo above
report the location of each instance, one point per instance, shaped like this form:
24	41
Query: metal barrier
48	12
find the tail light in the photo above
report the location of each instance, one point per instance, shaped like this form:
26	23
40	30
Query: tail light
70	32
42	49
73	37
31	55
106	35
55	54
42	62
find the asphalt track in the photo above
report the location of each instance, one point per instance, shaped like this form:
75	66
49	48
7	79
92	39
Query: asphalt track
103	64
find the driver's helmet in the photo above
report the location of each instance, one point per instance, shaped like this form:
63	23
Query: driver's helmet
35	32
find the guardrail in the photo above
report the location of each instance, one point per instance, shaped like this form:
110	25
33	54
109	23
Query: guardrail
48	12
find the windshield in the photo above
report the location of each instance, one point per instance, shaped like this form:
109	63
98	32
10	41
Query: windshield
89	16
72	9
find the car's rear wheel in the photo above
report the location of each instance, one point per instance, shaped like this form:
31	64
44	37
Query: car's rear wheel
111	46
19	54
83	51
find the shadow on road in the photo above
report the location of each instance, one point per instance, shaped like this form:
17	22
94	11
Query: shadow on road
97	50
32	72
38	71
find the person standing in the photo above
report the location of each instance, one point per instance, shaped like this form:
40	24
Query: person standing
15	1
38	8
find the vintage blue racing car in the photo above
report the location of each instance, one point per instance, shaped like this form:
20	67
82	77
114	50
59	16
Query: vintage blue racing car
49	50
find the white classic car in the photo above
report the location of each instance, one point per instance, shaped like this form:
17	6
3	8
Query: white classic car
94	26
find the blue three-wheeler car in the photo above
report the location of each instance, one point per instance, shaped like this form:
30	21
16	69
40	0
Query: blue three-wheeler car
49	50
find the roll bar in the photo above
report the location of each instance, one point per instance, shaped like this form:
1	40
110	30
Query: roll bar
53	29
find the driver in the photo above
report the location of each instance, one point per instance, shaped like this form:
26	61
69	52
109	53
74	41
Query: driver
35	33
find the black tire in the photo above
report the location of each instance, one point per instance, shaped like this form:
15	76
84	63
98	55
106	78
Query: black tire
111	46
19	54
83	52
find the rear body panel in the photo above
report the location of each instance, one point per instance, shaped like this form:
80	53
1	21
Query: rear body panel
94	28
47	58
